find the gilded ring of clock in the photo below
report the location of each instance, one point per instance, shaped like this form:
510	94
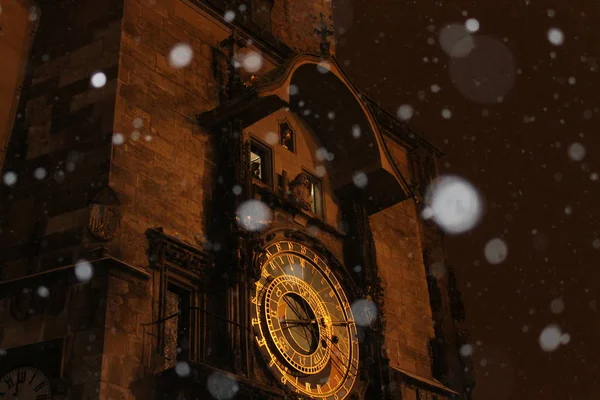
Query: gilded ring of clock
298	324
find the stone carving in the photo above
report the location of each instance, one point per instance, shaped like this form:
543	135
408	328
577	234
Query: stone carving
164	250
105	215
299	190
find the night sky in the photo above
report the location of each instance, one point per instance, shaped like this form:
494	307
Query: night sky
541	201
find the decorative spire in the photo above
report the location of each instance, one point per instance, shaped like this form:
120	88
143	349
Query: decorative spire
324	33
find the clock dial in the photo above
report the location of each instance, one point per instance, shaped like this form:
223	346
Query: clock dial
303	323
25	383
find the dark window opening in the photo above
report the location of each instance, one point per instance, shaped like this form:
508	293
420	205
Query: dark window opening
287	137
260	163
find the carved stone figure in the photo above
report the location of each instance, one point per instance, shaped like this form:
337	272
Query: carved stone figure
300	191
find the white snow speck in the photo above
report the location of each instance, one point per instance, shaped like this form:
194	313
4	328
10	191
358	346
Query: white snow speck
568	210
39	173
222	386
254	215
356	132
182	369
466	350
320	171
237	190
43	292
2	352
550	338
456	41
565	338
472	25
293	90
572	80
271	138
495	251
138	123
252	62
147	138
229	16
454	204
576	152
135	135
331	115
84	270
181	55
118	138
365	312
556	36
557	306
551	13
322	154
435	88
405	112
360	179
446	113
9	178
324	67
594	176
596	244
98	80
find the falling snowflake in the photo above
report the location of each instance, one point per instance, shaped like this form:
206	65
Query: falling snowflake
446	113
365	312
472	25
9	178
39	173
456	41
181	55
557	306
138	123
360	179
43	292
252	62
576	152
84	270
454	204
550	338
556	36
253	215
118	139
435	88
229	16
98	80
495	251
293	90
237	190
222	386
182	369
466	350
405	112
271	138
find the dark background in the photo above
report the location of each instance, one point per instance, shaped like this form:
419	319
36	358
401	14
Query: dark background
521	167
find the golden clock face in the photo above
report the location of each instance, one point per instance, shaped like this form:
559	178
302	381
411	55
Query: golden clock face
303	323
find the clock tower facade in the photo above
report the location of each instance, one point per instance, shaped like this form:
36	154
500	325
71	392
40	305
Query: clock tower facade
197	203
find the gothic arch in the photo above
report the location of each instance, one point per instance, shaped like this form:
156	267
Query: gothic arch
319	92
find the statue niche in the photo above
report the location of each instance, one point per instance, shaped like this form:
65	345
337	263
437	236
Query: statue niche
300	192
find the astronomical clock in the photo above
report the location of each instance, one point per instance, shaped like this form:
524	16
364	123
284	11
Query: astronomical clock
303	324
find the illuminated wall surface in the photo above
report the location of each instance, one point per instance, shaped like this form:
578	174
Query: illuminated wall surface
197	202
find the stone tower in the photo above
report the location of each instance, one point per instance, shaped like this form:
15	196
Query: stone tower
163	159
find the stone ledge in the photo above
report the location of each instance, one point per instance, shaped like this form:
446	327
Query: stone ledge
101	266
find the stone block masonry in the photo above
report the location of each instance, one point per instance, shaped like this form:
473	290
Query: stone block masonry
400	259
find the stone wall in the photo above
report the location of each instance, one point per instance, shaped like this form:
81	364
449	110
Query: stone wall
14	46
161	170
60	141
294	22
397	237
